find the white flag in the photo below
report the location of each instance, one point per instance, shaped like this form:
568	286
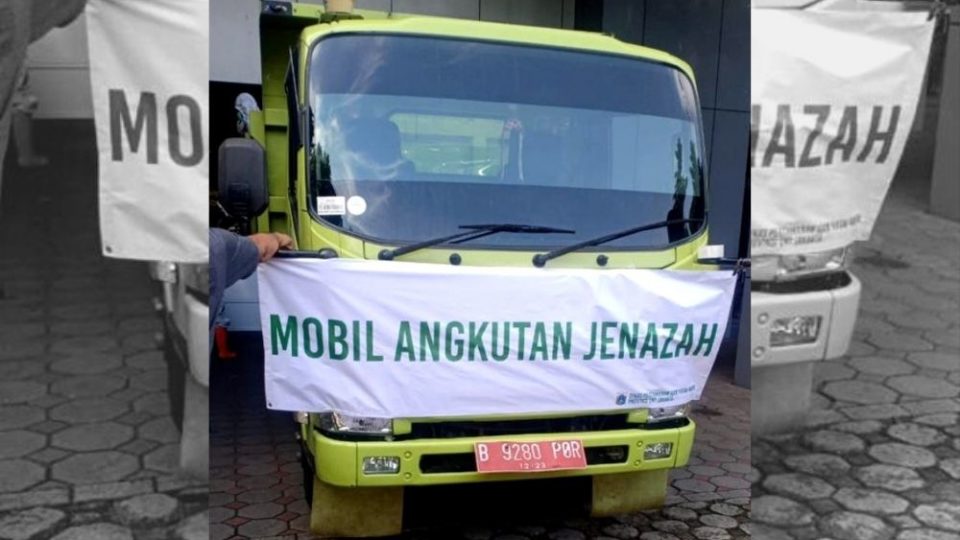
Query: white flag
834	95
149	70
405	340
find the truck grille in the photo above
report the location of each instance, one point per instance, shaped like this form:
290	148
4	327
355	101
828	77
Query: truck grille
819	282
577	424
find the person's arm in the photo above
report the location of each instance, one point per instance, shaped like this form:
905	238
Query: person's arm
14	38
234	257
50	14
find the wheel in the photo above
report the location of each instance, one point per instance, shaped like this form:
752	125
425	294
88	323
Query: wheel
623	493
355	512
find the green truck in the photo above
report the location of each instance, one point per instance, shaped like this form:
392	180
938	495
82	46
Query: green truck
385	136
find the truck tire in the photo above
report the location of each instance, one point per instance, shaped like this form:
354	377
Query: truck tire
355	512
624	493
308	474
176	380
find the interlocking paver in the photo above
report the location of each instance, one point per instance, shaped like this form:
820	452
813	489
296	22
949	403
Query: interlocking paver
20	443
951	467
18	416
100	436
856	526
19	474
925	534
88	386
70	454
835	442
916	434
160	430
108	491
865	393
195	527
915	385
87	364
88	410
896	467
871	501
798	486
20	391
877	365
28	524
163	459
942	515
13	370
96	531
146	360
95	467
776	510
149	509
904	455
81	328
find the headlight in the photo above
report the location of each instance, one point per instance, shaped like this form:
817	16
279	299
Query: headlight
341	423
662	414
795	330
164	271
381	465
786	267
658	450
197	278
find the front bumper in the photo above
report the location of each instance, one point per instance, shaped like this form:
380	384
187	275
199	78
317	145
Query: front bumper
339	463
836	305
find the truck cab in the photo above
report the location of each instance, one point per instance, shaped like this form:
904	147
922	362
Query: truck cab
385	136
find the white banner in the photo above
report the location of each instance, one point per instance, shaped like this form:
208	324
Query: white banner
834	96
149	72
392	339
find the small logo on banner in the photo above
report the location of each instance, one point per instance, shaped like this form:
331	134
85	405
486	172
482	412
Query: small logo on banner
622	399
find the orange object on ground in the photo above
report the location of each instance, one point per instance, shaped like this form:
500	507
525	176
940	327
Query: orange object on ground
221	338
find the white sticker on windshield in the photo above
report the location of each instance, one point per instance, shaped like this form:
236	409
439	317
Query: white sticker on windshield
356	205
331	206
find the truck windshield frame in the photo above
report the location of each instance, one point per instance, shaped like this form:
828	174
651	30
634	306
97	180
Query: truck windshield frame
369	82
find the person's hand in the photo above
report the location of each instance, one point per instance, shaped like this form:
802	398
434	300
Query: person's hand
269	243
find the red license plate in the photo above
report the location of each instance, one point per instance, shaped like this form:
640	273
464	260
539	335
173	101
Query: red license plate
541	456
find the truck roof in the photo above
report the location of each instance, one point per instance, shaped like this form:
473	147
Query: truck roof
402	23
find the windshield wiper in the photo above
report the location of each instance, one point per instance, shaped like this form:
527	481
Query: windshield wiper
540	259
472	233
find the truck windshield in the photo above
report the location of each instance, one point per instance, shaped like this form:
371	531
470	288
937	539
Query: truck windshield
411	136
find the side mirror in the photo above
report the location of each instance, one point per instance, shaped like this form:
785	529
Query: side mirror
242	181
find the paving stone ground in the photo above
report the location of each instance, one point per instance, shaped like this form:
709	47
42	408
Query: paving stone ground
880	456
87	448
256	483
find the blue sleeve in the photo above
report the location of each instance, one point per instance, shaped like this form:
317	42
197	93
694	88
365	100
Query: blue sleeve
232	258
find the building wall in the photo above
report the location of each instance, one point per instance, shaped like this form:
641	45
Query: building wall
60	72
713	36
233	22
945	190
